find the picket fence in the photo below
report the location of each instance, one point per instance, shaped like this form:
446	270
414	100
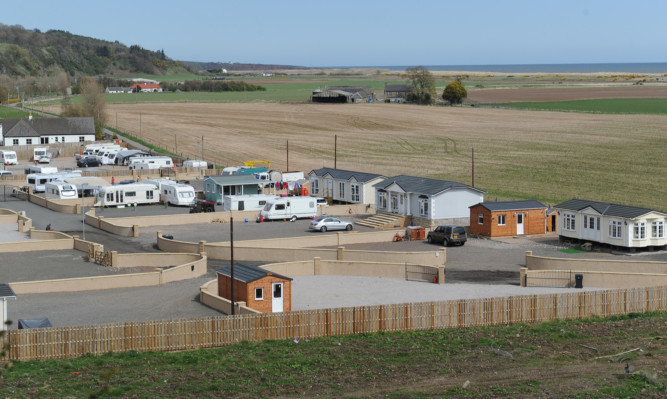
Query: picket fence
187	334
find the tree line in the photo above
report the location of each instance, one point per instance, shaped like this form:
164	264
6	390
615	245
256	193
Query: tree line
422	89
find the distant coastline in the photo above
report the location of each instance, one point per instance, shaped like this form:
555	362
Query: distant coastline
645	68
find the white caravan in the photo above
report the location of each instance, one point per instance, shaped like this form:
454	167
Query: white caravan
161	161
290	208
248	202
38	181
60	190
41	154
8	157
173	192
39	169
127	194
193	163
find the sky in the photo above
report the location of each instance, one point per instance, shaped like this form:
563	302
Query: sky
315	33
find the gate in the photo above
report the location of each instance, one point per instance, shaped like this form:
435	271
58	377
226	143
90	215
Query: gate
421	273
549	278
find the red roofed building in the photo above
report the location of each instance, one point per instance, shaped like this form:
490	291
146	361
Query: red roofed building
146	88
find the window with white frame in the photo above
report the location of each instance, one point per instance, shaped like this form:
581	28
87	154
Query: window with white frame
501	220
259	294
15	141
480	218
341	190
28	141
82	139
598	224
569	221
658	229
382	200
354	191
615	229
423	207
639	231
315	186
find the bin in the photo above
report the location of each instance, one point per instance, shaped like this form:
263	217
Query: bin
578	281
416	232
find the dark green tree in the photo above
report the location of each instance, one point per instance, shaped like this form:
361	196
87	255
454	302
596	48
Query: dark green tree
423	85
454	93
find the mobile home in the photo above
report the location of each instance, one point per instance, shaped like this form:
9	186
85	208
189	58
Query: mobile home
8	157
162	162
60	190
127	194
290	208
246	202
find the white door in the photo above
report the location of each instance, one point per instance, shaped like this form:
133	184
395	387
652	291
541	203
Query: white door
519	223
277	298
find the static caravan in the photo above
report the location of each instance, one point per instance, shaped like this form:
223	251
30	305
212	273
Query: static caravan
127	194
41	169
145	166
38	181
290	208
162	162
246	202
60	190
8	157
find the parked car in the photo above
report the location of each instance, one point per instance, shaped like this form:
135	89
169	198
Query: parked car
324	223
200	206
447	234
321	201
87	162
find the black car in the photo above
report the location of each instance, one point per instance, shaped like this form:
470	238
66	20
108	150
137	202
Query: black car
448	234
200	206
87	162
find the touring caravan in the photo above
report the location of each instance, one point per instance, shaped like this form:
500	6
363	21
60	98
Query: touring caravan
8	157
162	162
41	155
60	190
127	194
177	194
290	208
192	163
248	202
39	169
38	181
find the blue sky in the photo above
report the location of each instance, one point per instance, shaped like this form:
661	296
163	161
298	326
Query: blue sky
366	33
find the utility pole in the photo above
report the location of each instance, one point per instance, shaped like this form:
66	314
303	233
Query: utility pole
336	151
231	248
473	166
287	170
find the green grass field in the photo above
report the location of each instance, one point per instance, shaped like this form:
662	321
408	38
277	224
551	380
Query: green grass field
653	106
12	112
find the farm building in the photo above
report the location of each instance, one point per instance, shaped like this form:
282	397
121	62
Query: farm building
508	218
260	289
344	186
40	131
6	293
343	94
146	88
217	187
429	201
396	93
116	90
612	224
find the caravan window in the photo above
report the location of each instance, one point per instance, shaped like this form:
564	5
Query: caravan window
267	207
190	195
110	197
280	207
262	202
149	194
131	194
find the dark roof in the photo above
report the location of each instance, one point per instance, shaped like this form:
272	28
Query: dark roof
6	291
512	205
397	87
422	185
605	208
47	126
364	91
247	273
345	174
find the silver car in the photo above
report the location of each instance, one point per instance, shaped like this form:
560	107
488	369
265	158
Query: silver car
324	223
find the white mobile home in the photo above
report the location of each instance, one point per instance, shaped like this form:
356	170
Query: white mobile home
344	186
290	208
127	194
160	161
246	202
60	190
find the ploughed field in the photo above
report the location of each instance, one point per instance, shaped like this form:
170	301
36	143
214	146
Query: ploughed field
550	156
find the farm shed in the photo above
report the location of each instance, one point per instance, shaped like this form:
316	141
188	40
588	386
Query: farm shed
612	224
508	218
260	289
146	88
343	94
216	187
6	293
429	201
396	93
40	131
344	186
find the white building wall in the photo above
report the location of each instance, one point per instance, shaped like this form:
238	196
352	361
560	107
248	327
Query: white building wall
455	203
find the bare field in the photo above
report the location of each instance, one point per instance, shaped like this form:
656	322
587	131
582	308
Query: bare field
551	156
562	94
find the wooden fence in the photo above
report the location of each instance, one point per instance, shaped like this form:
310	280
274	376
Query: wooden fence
186	334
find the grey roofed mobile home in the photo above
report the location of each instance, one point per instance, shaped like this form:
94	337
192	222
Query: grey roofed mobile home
216	187
344	185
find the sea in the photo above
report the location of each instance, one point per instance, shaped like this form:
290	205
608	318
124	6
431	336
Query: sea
646	67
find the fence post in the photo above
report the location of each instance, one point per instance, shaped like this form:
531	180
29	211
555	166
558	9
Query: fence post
340	254
202	247
523	276
317	266
135	230
441	274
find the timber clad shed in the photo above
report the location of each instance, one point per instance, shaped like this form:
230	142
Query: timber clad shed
508	218
260	289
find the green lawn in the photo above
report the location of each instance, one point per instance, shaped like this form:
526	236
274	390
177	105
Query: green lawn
656	106
12	112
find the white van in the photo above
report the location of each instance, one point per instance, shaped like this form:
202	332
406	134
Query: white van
8	157
248	202
290	208
60	190
38	181
161	161
127	194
